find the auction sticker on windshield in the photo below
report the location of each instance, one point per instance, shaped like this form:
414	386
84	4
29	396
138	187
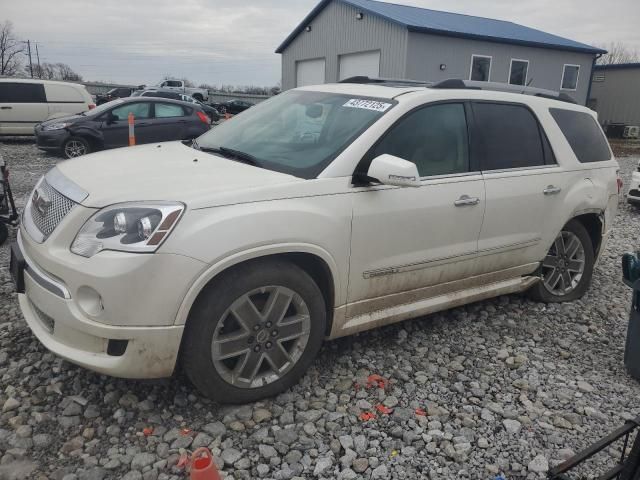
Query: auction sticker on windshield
367	105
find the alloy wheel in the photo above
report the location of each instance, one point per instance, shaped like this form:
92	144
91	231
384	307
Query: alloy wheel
564	265
74	148
260	337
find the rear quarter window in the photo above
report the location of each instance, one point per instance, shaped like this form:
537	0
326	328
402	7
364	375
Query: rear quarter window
583	134
22	93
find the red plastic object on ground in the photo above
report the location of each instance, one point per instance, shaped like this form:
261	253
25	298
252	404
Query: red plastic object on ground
203	466
377	381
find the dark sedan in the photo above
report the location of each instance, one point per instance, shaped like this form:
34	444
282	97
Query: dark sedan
120	92
233	106
156	120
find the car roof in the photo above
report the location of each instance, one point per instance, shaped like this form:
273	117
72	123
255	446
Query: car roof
399	92
39	81
156	99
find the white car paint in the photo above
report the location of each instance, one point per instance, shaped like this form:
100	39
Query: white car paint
393	253
60	99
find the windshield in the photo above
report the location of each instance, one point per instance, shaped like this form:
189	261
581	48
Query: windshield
297	132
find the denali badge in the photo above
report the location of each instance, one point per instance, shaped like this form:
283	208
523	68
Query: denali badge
41	201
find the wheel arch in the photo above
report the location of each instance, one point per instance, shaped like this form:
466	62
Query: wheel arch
314	261
593	222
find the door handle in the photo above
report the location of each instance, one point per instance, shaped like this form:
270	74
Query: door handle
6	108
551	190
466	200
144	124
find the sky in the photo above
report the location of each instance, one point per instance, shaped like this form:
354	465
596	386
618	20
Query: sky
233	41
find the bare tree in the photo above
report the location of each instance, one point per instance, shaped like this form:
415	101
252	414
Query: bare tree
11	49
618	52
65	72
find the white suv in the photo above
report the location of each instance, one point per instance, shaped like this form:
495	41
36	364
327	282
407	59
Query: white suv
325	211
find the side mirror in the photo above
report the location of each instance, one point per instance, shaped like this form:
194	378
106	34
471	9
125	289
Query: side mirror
391	170
111	118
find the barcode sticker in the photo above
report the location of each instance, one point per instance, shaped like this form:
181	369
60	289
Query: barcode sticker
367	105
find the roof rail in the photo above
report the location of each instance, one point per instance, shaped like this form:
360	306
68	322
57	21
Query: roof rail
456	83
389	82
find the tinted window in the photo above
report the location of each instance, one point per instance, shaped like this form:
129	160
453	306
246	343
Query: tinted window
518	74
22	93
480	68
570	77
508	136
173	83
434	138
165	110
583	134
139	110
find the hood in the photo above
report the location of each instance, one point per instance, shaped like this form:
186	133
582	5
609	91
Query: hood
169	171
62	118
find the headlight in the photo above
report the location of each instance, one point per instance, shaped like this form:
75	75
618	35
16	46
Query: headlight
127	227
55	126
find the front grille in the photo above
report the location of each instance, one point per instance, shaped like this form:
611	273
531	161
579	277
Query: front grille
60	206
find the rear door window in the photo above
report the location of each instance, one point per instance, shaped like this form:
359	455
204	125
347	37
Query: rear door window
507	136
22	93
167	110
583	134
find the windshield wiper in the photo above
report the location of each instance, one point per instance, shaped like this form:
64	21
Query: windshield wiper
230	153
243	156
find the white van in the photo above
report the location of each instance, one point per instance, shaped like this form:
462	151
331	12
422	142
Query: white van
26	102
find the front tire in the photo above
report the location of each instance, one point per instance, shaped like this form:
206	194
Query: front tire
567	269
76	147
254	332
198	97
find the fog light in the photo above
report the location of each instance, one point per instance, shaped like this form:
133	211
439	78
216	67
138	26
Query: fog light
89	301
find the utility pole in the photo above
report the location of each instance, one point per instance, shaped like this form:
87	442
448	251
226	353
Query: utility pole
30	64
38	57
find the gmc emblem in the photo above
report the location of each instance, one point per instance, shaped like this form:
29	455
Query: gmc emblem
41	201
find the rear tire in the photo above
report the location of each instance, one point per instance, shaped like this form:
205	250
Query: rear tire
253	332
567	269
76	147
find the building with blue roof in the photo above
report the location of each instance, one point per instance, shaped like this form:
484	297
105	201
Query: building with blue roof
345	38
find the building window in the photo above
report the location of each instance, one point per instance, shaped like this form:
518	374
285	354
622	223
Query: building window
480	68
518	72
570	74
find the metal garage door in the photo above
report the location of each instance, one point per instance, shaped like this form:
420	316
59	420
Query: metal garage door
310	72
361	63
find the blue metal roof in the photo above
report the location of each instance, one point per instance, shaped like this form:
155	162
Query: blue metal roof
453	24
617	66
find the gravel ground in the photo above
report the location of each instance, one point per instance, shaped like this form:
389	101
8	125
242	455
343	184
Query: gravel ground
508	387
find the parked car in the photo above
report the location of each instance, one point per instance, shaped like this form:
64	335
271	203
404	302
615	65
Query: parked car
201	94
211	112
156	120
233	106
633	195
119	92
322	212
26	102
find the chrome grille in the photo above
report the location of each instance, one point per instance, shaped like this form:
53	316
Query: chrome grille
60	206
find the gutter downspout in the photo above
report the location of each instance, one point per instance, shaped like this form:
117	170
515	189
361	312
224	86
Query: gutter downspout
593	66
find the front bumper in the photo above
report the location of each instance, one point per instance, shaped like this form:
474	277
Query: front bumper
50	139
142	343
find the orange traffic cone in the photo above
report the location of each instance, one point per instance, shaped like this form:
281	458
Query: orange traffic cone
202	465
